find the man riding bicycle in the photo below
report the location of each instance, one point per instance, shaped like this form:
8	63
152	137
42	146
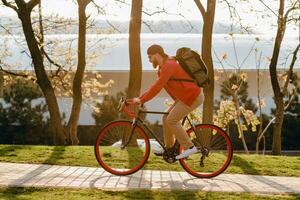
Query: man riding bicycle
187	96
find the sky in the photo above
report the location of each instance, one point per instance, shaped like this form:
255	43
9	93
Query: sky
262	23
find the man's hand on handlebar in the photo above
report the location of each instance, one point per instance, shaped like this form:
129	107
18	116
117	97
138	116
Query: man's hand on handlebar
136	100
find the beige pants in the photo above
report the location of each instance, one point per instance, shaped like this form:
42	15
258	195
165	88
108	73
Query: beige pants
172	123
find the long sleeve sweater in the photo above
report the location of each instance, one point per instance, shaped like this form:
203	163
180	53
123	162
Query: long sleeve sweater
184	91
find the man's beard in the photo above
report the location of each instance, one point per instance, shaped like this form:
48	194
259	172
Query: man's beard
154	64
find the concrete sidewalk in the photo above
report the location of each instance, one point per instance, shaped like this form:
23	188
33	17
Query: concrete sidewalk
32	175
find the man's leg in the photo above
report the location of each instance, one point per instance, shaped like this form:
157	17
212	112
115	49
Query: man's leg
169	137
173	121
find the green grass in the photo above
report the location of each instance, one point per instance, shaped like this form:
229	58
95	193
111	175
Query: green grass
84	156
132	156
84	194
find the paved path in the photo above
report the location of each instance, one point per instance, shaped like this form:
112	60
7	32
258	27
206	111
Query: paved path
12	174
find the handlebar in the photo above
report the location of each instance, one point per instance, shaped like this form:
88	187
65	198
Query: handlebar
128	107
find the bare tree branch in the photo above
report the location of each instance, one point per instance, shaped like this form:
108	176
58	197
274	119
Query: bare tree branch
10	6
268	8
266	128
123	2
13	36
295	19
290	72
235	14
52	62
148	26
201	8
273	119
154	13
252	48
220	62
101	10
32	3
13	73
294	7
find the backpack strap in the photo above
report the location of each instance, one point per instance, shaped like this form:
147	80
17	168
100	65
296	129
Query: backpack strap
180	79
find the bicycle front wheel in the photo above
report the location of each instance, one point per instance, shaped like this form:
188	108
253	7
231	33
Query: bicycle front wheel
120	152
214	151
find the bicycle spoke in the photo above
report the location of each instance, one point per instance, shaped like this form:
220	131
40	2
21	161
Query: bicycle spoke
116	158
219	152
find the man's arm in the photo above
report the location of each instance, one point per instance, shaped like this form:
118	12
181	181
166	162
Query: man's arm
165	74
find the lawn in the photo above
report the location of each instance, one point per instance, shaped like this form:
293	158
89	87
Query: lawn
84	156
84	194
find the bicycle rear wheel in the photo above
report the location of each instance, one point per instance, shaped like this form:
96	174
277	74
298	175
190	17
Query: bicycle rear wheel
110	153
215	151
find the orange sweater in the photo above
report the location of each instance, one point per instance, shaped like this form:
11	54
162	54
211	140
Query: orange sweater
186	92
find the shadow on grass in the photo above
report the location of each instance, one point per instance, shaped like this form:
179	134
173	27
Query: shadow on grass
7	150
297	196
244	165
159	194
57	153
60	193
249	169
13	193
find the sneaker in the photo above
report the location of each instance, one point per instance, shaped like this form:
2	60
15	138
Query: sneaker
158	153
187	152
170	151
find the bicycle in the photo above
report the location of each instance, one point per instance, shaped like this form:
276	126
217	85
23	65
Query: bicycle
122	147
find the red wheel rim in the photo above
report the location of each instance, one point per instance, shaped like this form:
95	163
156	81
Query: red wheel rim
109	169
225	165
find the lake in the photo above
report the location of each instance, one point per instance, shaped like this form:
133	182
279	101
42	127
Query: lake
112	53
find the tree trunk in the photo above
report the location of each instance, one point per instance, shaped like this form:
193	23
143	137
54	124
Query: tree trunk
1	83
259	134
41	34
208	104
135	74
276	146
240	129
207	57
56	128
77	81
257	145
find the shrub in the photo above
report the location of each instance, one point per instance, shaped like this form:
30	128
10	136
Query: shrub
21	121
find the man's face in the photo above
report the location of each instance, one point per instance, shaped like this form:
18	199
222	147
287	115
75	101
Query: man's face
153	59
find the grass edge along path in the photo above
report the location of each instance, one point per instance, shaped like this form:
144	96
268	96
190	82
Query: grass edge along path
15	193
84	156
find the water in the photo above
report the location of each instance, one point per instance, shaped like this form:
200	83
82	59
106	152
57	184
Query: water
112	51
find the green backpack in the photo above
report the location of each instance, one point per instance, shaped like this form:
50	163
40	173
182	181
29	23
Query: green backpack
192	64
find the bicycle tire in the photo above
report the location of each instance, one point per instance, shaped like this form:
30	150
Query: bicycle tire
112	157
218	146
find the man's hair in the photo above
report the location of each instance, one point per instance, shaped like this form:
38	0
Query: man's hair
155	48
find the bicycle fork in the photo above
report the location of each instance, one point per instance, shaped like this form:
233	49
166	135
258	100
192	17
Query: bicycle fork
126	142
203	150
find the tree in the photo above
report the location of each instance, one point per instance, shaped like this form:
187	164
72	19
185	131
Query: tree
24	11
77	81
291	124
20	118
135	74
261	103
106	111
61	78
280	92
1	83
239	108
208	16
